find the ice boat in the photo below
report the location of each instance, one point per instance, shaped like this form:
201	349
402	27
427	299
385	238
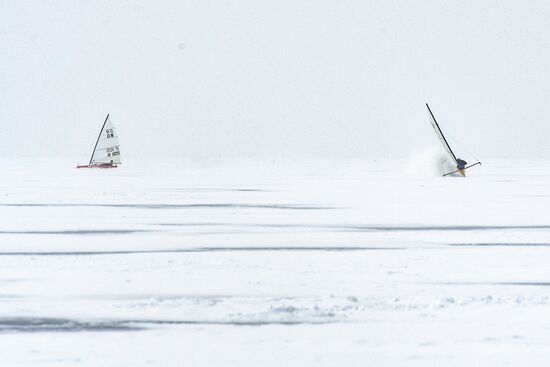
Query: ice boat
461	165
106	153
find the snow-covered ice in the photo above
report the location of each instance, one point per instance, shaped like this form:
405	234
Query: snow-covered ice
270	263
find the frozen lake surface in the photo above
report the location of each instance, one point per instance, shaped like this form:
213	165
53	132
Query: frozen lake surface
268	263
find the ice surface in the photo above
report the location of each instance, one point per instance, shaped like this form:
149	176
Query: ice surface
269	263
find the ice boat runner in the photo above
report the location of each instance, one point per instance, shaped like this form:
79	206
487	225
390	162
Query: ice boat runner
106	153
461	165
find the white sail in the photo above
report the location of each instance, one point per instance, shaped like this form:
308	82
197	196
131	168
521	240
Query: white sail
108	148
440	135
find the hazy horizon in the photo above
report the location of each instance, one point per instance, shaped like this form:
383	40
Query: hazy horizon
203	79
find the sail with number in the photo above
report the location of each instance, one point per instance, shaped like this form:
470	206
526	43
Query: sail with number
106	153
461	165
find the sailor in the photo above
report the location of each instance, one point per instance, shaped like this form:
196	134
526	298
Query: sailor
460	164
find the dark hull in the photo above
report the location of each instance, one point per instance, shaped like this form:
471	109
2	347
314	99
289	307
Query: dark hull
102	165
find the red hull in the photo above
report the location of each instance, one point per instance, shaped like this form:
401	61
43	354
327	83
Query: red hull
103	165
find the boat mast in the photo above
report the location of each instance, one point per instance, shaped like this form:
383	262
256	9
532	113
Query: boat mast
99	136
441	132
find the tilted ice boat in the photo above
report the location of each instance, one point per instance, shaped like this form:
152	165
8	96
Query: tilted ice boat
461	165
106	153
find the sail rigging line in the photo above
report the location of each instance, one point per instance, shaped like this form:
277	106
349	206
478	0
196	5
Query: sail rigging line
463	147
98	137
441	133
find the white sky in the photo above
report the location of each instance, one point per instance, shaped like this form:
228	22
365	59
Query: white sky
274	78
